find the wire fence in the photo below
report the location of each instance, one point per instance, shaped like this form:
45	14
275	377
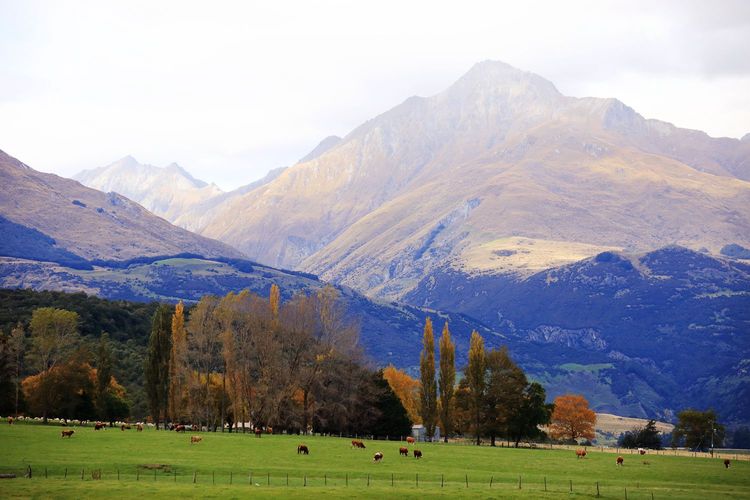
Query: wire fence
357	480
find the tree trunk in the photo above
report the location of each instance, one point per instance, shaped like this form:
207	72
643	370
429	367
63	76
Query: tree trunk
492	440
223	392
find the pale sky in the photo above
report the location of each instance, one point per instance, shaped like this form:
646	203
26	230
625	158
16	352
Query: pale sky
230	90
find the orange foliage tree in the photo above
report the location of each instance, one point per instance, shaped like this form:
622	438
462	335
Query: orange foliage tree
572	418
407	390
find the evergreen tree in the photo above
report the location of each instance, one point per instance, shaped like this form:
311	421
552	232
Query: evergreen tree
157	363
503	395
393	421
532	413
447	380
103	377
428	392
475	381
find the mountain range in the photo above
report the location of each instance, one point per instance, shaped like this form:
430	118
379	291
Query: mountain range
581	235
498	173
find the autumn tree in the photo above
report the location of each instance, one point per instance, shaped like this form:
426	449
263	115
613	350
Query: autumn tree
572	418
698	429
178	367
475	382
447	380
157	363
503	394
54	332
407	390
204	354
428	390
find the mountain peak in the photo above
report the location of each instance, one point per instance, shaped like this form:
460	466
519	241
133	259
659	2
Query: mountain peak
502	75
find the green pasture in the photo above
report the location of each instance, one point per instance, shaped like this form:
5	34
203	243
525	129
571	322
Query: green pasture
164	464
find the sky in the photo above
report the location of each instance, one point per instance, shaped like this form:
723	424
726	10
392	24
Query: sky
230	90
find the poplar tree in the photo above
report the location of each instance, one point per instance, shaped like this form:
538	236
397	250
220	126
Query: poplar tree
178	364
157	363
428	392
103	376
475	380
447	380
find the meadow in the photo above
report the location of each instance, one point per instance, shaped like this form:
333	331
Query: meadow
152	464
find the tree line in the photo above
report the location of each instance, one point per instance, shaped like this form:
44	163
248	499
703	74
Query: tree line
244	360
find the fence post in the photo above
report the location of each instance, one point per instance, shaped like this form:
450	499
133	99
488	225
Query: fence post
491	477
269	479
467	480
347	479
230	477
368	480
45	473
545	483
66	473
287	479
519	481
417	479
597	489
626	494
325	479
81	474
174	473
213	474
305	481
571	485
118	473
195	476
391	479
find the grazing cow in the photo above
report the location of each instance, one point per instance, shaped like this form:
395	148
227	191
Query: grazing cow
726	463
358	444
195	439
139	427
641	451
269	430
378	457
410	440
258	432
303	449
100	425
195	428
580	453
10	420
67	433
125	427
620	460
403	451
179	428
417	454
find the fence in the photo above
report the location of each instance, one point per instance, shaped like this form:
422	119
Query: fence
283	479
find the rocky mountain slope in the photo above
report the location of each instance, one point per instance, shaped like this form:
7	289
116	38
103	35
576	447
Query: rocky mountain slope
499	163
72	221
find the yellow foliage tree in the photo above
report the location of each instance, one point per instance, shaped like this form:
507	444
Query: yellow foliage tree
407	390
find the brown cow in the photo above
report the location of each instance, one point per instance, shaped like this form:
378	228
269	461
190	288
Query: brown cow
641	451
378	457
580	453
195	439
358	444
726	463
179	428
125	427
100	425
195	428
417	454
10	420
269	430
410	440
620	460
303	449
403	451
67	433
258	432
139	427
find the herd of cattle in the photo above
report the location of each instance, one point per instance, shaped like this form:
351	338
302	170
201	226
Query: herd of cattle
302	449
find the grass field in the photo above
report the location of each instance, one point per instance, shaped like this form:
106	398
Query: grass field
162	464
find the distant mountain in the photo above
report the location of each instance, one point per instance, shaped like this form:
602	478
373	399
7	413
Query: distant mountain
659	331
499	163
170	192
67	222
